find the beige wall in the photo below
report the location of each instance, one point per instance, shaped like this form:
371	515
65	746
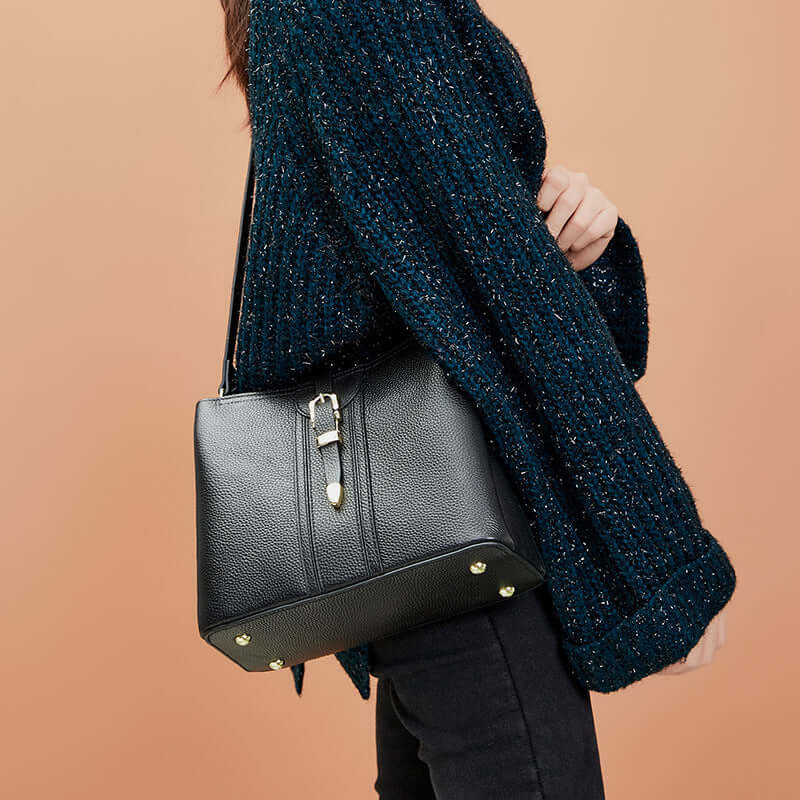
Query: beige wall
121	180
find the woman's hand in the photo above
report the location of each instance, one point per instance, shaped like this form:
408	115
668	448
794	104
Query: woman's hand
703	652
581	218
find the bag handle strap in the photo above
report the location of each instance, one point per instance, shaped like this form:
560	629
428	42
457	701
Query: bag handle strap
238	277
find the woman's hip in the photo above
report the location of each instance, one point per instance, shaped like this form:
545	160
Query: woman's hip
490	699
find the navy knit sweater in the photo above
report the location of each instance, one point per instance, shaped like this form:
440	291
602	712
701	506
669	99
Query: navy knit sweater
398	152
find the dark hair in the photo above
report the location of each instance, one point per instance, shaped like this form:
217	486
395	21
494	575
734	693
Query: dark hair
237	13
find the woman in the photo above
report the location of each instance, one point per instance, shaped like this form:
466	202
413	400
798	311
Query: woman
400	189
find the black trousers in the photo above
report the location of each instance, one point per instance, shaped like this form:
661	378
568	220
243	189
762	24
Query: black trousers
482	705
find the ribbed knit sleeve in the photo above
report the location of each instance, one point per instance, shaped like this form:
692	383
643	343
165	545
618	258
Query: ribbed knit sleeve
450	231
617	284
616	280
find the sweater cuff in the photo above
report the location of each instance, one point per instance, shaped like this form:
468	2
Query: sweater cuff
661	632
616	282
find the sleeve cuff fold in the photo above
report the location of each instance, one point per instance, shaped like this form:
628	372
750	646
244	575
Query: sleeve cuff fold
662	631
616	282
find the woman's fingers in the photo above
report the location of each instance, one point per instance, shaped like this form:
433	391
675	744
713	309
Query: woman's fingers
601	226
695	657
709	646
555	180
578	225
569	189
704	651
579	216
581	259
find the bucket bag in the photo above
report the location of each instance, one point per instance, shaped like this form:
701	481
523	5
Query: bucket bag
354	505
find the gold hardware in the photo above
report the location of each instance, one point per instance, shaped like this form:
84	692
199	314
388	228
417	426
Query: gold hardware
243	639
323	397
326	437
329	437
335	492
477	568
277	663
506	591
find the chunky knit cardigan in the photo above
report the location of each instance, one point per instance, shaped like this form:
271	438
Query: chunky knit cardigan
399	151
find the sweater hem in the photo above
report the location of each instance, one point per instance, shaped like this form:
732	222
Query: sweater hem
663	631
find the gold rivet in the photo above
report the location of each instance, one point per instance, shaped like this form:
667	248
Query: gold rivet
506	591
335	492
243	639
277	663
477	568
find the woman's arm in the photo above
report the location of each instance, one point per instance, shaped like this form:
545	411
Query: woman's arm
451	232
615	278
602	249
616	282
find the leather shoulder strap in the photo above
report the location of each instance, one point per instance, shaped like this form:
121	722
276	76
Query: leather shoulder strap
234	314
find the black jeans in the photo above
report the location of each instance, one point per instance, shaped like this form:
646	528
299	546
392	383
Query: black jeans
482	705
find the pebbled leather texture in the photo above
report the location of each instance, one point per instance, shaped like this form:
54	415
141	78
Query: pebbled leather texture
416	594
422	493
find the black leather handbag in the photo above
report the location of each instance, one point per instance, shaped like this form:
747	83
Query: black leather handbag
353	506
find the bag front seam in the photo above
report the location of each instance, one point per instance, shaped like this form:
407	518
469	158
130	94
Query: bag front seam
368	475
300	495
309	506
370	555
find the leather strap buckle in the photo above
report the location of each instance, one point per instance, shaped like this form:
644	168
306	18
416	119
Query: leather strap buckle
335	434
331	461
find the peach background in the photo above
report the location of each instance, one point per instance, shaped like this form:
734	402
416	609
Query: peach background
122	175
